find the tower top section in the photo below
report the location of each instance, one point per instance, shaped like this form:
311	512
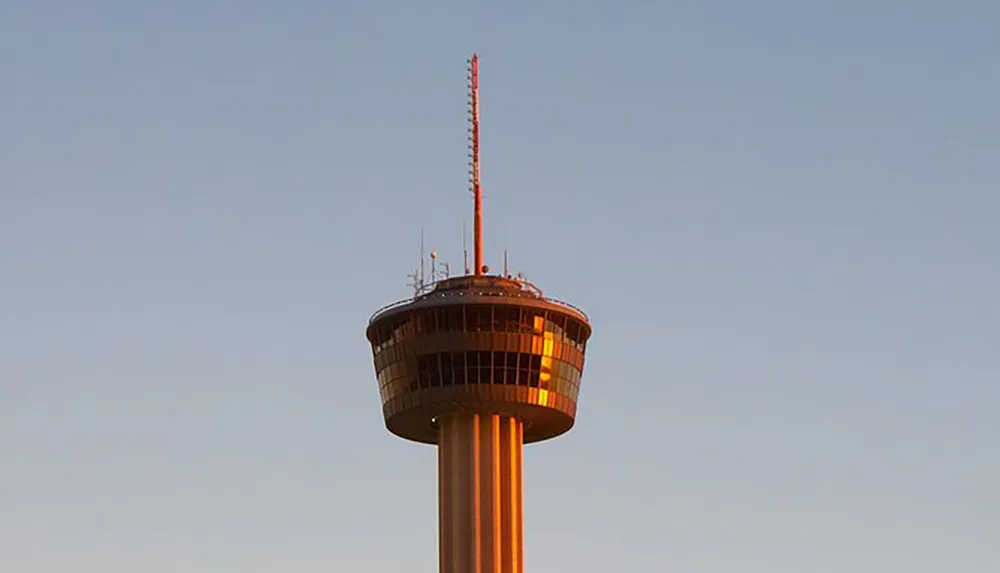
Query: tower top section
484	342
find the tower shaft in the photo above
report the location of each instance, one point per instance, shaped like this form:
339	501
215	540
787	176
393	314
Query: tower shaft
480	494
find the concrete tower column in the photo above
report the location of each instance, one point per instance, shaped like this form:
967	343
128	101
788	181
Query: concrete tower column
479	497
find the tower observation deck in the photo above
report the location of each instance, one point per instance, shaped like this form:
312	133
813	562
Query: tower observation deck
479	365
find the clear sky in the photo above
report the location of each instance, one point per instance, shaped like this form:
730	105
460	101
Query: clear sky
780	215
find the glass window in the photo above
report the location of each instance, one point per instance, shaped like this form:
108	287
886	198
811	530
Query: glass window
499	359
423	372
552	325
478	318
523	368
450	318
430	321
558	369
505	318
444	370
527	322
458	362
524	378
435	360
499	319
556	323
485	367
499	365
472	367
510	368
573	332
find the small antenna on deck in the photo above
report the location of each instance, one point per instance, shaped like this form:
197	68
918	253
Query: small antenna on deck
422	258
465	250
477	191
506	274
415	283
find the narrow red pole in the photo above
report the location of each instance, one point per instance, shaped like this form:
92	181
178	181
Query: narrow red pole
476	189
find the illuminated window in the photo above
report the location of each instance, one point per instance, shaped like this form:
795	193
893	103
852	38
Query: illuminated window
531	320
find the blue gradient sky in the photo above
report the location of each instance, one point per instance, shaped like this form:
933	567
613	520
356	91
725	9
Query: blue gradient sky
781	216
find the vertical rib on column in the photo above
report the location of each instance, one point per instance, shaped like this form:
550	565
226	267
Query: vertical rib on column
479	468
511	445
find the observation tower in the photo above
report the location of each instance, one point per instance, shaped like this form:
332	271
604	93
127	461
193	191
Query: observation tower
479	365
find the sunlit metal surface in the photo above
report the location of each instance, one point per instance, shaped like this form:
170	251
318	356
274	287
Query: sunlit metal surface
481	344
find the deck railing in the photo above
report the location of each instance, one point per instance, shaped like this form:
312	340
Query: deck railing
486	292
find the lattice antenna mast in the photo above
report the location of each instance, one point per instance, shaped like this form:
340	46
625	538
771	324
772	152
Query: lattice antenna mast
477	191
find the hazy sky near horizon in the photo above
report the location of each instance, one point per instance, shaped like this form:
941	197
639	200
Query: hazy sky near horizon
780	215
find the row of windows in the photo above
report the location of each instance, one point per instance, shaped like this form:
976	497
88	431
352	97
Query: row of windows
400	401
479	367
561	386
533	344
557	386
481	318
448	368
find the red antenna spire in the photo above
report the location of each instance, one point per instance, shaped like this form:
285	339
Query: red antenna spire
477	191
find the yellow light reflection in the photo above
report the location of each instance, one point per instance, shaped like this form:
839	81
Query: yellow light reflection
545	343
543	397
